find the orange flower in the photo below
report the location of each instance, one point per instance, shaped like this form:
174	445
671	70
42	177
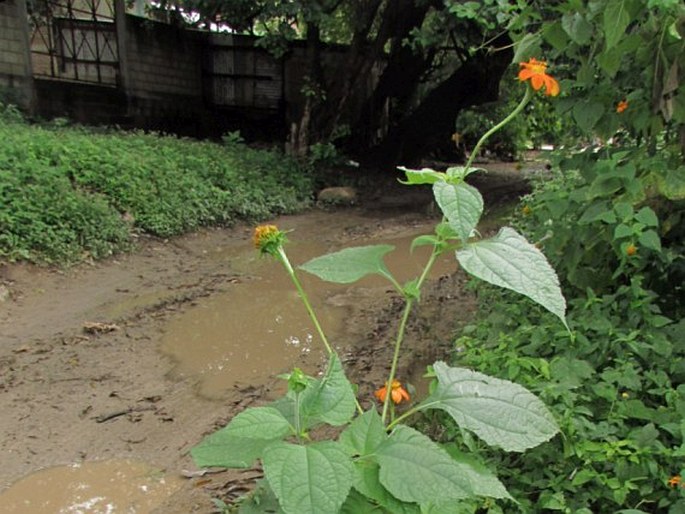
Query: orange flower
621	106
675	481
535	71
267	238
397	393
631	250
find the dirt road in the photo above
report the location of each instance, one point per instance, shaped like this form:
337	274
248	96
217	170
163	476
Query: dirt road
83	376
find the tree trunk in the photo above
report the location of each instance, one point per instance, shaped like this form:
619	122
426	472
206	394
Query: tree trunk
304	131
432	122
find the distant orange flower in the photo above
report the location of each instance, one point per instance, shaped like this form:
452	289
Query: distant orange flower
675	481
631	250
535	71
268	239
397	393
621	106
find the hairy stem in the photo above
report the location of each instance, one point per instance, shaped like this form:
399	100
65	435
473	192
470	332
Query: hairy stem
310	310
524	101
400	333
303	296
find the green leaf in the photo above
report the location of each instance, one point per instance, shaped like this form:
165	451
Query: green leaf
555	35
367	482
461	204
422	176
500	412
242	441
587	113
526	47
650	239
258	423
598	211
357	503
485	482
260	501
331	399
577	27
622	231
311	479
616	20
570	372
509	261
672	185
364	434
457	174
425	240
647	216
350	264
610	60
416	470
624	210
218	449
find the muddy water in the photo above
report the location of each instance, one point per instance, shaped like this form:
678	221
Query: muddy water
109	487
259	328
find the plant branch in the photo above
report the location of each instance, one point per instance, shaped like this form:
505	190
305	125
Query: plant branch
396	356
303	296
524	101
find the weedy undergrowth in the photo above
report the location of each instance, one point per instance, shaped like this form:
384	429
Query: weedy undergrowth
380	463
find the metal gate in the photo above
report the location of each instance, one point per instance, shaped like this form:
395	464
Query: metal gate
74	40
240	74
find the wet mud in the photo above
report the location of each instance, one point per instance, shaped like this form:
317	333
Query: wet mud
118	368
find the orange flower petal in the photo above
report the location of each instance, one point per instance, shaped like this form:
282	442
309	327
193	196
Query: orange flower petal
537	81
551	86
525	74
535	71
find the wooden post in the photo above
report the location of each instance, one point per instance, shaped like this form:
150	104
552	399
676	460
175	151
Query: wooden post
123	80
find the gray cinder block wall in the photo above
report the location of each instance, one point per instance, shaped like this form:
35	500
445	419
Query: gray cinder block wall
16	82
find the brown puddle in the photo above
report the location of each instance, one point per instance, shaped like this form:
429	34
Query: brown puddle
107	487
259	328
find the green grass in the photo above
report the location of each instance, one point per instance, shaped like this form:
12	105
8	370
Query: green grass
71	193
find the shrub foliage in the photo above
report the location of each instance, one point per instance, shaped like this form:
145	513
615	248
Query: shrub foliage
67	193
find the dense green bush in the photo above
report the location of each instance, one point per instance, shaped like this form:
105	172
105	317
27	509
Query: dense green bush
70	192
616	389
610	223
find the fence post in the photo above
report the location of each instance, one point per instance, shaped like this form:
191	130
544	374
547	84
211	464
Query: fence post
123	81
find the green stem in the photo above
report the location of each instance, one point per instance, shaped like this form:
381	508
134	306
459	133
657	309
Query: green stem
431	260
394	282
300	291
396	357
298	423
524	101
400	333
303	296
410	412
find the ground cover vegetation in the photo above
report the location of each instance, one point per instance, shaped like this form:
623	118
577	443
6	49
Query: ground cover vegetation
70	193
611	222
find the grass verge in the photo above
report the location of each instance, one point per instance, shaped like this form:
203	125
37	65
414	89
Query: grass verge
69	193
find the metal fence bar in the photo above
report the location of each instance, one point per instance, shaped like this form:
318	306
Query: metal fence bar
75	40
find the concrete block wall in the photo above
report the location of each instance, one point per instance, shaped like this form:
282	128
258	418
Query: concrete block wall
162	59
15	67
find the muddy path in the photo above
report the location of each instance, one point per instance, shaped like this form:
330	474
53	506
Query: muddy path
123	361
